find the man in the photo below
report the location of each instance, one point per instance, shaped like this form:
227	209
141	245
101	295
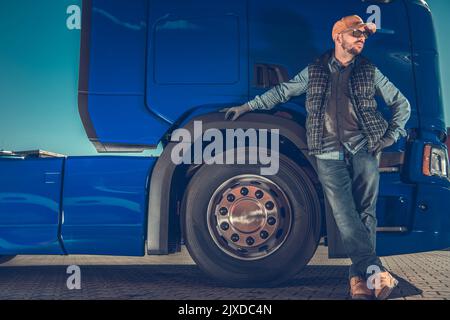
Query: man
346	134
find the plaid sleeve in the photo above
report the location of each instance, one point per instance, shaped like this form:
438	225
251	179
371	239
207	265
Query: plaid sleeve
282	92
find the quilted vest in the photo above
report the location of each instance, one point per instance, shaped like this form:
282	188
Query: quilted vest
362	95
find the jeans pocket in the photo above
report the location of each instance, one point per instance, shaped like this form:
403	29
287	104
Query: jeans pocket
364	149
378	158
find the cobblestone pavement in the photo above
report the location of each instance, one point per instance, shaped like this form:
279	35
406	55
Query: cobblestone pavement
421	276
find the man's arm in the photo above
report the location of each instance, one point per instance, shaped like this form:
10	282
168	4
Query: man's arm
400	106
281	92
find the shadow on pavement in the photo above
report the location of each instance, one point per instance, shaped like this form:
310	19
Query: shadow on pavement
170	282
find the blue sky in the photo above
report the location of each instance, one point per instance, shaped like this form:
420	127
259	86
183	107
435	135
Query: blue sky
39	76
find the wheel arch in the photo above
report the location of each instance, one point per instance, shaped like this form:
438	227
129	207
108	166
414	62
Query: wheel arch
165	194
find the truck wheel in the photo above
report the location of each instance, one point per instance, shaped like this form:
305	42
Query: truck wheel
4	259
245	229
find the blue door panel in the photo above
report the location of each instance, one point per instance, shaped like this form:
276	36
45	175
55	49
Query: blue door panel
197	55
30	192
105	205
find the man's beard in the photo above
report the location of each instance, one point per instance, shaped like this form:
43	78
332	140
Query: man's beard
350	48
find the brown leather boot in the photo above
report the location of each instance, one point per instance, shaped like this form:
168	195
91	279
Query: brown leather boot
359	290
387	285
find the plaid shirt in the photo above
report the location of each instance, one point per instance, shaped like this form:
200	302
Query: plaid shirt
366	82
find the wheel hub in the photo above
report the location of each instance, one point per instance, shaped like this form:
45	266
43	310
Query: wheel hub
242	216
249	217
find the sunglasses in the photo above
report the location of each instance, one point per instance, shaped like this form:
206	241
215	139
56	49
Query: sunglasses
358	33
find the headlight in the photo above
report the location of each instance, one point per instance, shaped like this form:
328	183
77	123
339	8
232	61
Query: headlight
435	162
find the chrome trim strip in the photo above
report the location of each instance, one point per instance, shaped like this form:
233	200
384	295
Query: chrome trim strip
392	229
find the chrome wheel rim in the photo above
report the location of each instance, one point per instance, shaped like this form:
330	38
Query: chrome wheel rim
249	217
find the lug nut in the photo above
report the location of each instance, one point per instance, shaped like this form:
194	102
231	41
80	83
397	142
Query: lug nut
224	226
235	237
259	194
223	211
250	241
231	197
264	234
269	205
271	221
244	191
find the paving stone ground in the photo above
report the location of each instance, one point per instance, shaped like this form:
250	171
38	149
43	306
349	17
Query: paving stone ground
424	276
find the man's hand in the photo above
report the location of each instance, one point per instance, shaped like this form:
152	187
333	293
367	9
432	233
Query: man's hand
235	112
383	143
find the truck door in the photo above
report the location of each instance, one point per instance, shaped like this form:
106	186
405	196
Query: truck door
285	36
197	55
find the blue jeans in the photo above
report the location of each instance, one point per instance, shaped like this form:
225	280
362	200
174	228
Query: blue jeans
351	187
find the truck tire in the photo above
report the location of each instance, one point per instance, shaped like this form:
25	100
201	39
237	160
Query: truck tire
245	229
4	259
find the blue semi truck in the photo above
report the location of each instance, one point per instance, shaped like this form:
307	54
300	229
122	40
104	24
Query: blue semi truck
149	67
